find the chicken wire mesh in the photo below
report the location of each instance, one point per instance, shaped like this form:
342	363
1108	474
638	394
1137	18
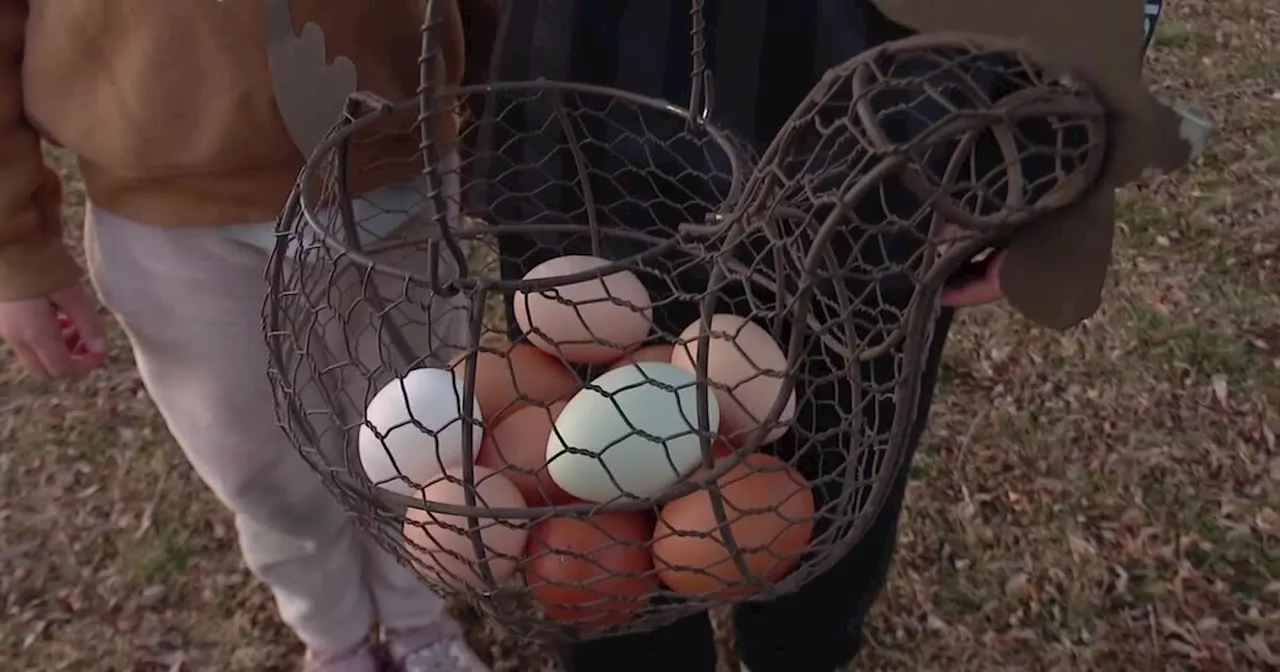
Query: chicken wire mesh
606	368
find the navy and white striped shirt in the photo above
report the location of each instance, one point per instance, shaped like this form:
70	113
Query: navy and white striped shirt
765	56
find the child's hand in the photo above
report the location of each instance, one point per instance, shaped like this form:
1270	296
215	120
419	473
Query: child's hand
55	336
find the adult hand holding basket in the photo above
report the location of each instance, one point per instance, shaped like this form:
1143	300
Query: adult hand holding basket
649	374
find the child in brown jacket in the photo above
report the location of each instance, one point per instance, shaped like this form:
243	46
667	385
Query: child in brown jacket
188	156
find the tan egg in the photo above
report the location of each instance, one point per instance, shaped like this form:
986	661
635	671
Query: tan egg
589	321
514	377
769	510
431	540
517	449
749	364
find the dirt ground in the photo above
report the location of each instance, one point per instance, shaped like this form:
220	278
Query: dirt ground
1102	499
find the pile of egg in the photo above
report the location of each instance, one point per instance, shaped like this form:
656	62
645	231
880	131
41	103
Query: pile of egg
540	438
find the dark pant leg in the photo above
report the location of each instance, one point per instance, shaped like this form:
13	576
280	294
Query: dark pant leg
819	627
684	646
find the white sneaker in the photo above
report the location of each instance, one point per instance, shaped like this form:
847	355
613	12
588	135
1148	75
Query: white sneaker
359	659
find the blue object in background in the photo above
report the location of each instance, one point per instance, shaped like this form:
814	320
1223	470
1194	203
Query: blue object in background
1151	16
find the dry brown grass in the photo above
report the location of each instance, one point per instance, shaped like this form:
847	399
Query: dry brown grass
1103	499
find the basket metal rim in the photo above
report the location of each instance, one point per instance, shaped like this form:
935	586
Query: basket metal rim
309	208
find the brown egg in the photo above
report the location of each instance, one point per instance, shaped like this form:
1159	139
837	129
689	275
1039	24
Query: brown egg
649	353
519	375
519	441
591	573
769	509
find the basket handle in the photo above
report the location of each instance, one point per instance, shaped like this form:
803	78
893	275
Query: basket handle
701	102
701	93
430	63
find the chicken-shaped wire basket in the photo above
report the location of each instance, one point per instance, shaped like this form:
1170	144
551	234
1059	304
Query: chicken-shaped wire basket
600	366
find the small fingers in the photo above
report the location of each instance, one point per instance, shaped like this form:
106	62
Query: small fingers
86	354
84	360
54	357
82	321
47	343
87	364
31	361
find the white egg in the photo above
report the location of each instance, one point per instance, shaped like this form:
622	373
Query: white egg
431	398
631	428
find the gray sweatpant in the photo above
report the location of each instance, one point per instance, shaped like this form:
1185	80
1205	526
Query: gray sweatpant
190	301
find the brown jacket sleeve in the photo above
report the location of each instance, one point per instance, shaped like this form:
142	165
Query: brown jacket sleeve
33	259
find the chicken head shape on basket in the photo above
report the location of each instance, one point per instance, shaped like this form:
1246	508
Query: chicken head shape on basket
599	366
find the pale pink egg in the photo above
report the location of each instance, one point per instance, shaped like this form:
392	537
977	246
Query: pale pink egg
749	364
432	543
593	321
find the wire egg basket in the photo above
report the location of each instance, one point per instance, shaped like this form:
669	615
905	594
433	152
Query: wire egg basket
599	366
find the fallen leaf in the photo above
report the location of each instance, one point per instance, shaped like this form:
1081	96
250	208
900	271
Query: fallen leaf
1220	389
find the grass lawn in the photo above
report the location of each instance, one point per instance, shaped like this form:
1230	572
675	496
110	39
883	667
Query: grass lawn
1102	499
